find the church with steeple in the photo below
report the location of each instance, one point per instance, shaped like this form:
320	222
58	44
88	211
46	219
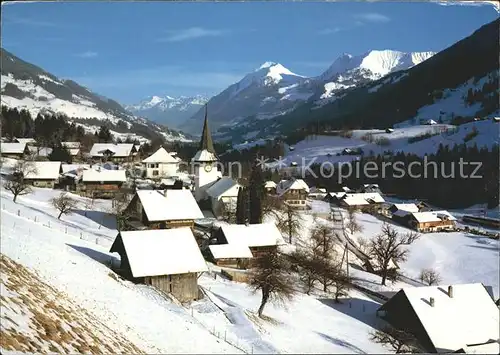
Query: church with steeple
209	184
205	163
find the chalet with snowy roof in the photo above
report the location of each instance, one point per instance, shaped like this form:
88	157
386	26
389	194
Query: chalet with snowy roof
44	173
160	165
73	148
431	221
27	141
230	255
101	183
205	163
260	238
71	174
360	200
163	209
118	153
408	207
293	191
446	319
223	195
167	259
317	192
41	153
14	150
270	187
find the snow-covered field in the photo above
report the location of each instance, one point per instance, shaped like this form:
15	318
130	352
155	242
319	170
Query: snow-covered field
71	256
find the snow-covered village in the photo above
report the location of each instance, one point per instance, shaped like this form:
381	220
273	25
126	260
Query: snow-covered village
355	211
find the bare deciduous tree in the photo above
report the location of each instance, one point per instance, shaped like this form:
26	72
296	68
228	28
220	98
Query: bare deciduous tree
388	246
270	275
64	203
307	269
290	222
17	183
430	277
227	212
118	209
399	340
352	224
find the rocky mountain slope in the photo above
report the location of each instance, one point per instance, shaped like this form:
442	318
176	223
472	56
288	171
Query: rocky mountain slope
27	86
454	85
168	110
272	90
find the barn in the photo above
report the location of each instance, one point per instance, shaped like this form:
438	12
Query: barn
160	209
445	319
230	255
167	259
259	238
101	183
44	174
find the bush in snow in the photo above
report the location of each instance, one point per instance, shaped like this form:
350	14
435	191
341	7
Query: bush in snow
399	340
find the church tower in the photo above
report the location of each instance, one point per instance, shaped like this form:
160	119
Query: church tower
204	161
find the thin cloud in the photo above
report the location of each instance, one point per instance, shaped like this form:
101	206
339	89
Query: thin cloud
329	31
191	33
87	54
373	17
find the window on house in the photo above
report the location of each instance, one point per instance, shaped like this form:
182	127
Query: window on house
155	172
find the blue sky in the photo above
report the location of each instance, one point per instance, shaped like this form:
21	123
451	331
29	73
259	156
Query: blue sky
131	50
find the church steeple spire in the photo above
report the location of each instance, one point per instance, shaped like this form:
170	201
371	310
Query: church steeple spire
206	138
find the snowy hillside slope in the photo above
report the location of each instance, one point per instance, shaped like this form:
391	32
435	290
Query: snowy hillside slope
26	86
320	148
168	110
273	90
37	318
80	269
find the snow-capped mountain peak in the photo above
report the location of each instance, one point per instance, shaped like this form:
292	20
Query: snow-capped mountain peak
377	62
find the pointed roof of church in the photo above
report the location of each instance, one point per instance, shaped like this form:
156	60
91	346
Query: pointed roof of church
206	138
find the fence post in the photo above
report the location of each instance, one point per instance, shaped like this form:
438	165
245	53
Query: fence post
14	225
35	218
225	335
97	240
81	235
49	224
18	212
66	230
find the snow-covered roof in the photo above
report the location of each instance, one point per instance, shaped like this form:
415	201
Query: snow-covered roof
40	151
253	235
45	170
119	150
66	168
270	184
224	187
401	213
360	199
488	348
431	122
71	145
292	184
230	251
74	151
160	156
432	216
163	252
346	189
469	317
167	205
25	140
104	175
204	155
12	148
409	207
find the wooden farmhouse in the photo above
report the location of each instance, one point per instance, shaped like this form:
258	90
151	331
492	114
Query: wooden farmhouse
230	255
14	150
71	174
445	319
44	173
167	259
294	192
117	153
163	209
223	195
431	221
101	183
407	207
259	238
270	187
74	149
360	200
160	165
